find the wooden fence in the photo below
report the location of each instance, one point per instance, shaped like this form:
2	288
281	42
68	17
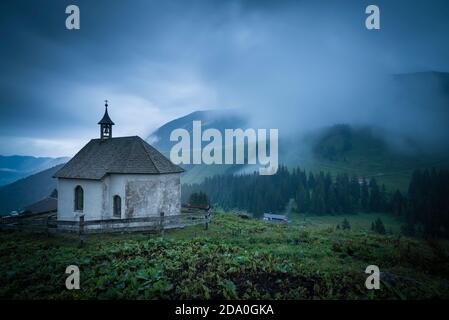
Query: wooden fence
49	224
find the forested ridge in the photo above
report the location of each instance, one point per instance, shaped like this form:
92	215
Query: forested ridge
425	207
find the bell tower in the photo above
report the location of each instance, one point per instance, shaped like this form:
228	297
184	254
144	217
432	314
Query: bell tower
106	124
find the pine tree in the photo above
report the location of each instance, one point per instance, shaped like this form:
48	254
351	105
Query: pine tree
332	205
379	226
54	193
345	224
355	193
311	181
383	206
318	203
364	196
302	200
198	199
398	204
375	196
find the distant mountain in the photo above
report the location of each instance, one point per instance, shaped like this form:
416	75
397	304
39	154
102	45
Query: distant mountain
28	190
13	168
217	119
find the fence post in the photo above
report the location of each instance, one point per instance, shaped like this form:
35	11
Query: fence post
161	226
206	225
48	226
81	230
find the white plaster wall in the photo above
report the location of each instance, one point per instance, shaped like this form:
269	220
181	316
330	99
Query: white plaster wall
142	196
93	195
145	195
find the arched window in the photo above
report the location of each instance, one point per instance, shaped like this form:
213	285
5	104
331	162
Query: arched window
79	198
117	206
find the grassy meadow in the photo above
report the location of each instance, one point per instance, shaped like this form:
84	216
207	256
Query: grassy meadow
358	222
234	259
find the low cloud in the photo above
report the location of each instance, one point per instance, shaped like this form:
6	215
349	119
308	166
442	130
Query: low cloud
289	65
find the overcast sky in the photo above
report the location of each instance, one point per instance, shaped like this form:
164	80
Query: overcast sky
158	60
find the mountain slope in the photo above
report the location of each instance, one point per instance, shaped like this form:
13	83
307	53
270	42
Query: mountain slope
220	120
361	151
27	190
15	167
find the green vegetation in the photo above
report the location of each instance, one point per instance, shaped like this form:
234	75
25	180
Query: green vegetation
313	193
233	259
358	222
425	206
198	199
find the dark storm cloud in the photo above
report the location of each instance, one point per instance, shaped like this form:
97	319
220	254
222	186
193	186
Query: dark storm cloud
290	64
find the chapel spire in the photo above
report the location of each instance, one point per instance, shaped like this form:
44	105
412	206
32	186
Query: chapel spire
106	124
